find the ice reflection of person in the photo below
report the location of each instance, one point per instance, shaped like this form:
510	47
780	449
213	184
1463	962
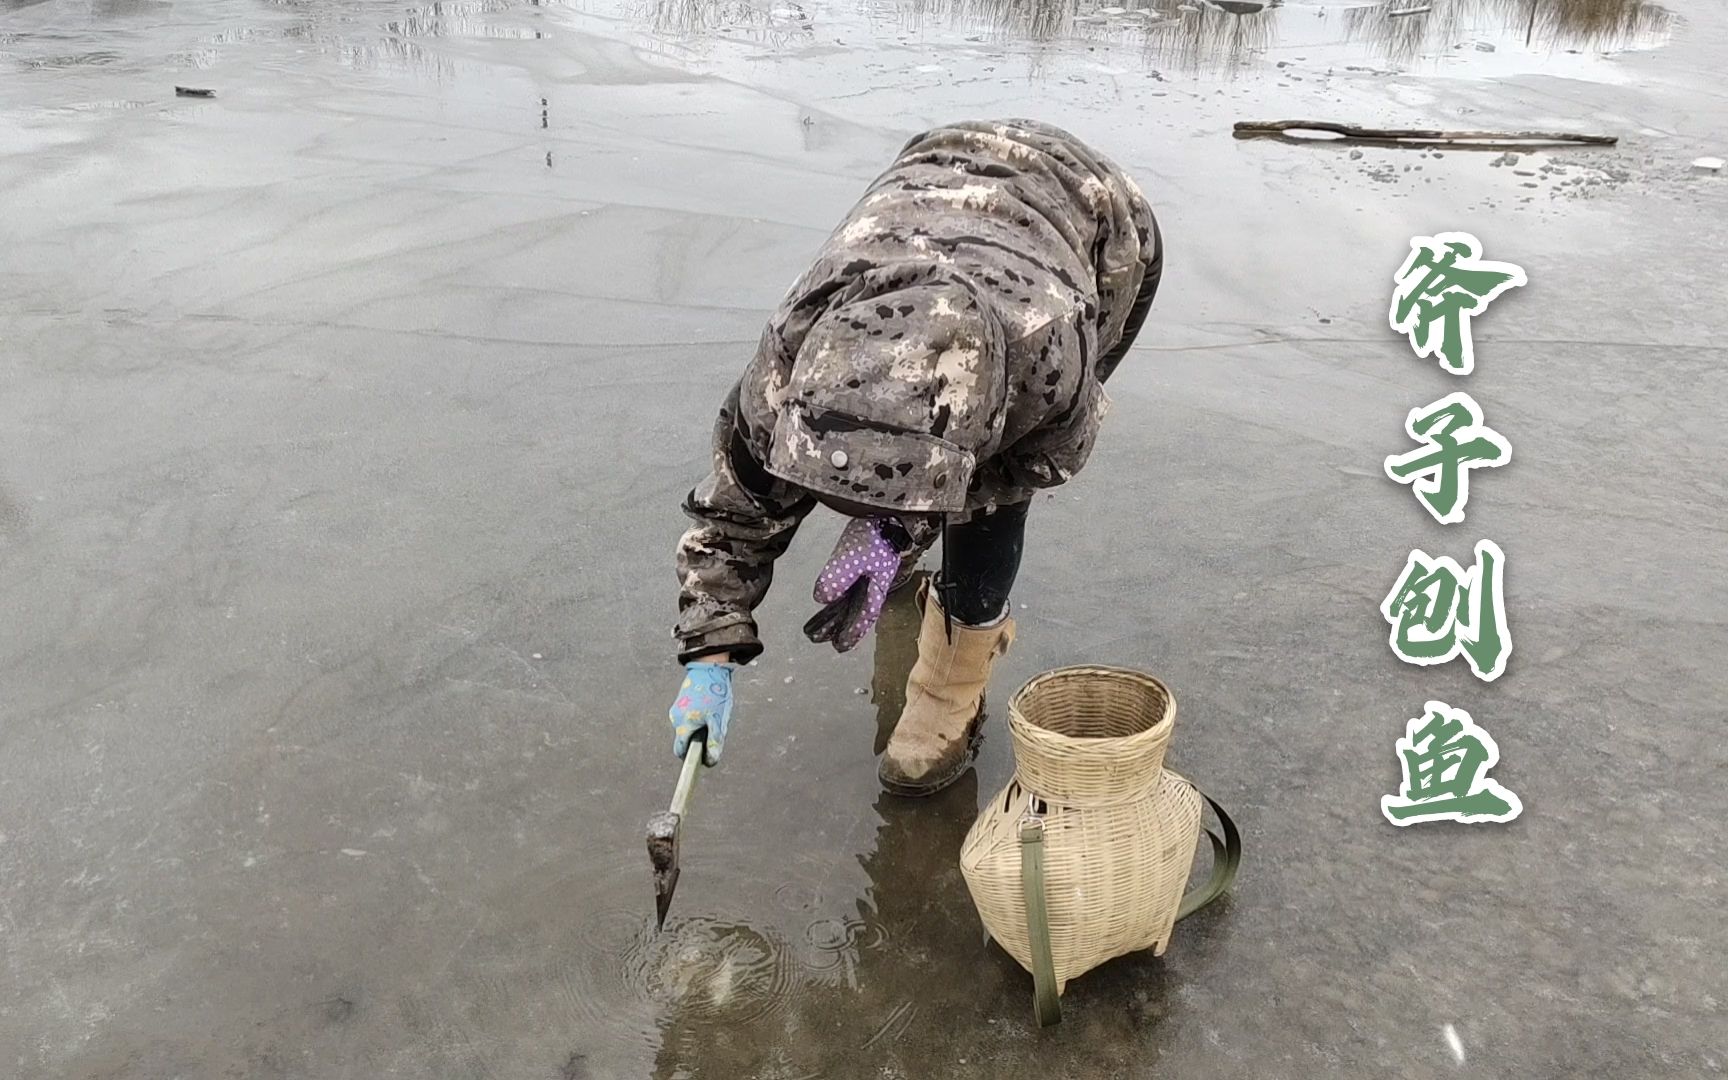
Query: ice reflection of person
912	970
941	362
912	967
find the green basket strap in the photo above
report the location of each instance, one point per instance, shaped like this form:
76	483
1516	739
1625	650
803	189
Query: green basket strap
1226	860
1046	1003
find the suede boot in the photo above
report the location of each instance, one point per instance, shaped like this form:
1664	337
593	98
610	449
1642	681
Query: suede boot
937	734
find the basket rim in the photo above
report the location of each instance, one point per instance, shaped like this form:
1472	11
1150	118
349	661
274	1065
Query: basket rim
1018	720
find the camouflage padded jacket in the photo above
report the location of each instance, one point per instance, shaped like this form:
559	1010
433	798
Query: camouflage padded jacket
945	353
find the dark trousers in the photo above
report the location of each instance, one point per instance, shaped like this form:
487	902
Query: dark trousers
980	561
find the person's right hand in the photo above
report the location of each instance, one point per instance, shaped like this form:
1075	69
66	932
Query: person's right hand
855	583
703	702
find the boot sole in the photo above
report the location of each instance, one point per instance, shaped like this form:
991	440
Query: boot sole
974	739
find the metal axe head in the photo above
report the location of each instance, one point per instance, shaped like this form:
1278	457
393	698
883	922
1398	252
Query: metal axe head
663	853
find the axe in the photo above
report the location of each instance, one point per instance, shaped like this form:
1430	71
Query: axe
664	827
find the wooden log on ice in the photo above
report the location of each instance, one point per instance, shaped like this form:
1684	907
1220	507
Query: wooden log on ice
1249	128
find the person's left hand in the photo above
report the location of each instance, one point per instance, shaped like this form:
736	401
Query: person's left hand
854	585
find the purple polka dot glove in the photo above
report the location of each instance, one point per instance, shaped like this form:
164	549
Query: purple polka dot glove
854	584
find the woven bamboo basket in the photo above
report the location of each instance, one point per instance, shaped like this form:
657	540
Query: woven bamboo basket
1119	831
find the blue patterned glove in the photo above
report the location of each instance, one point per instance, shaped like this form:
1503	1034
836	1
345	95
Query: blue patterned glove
704	701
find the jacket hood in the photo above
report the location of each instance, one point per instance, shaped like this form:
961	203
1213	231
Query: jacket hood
893	399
